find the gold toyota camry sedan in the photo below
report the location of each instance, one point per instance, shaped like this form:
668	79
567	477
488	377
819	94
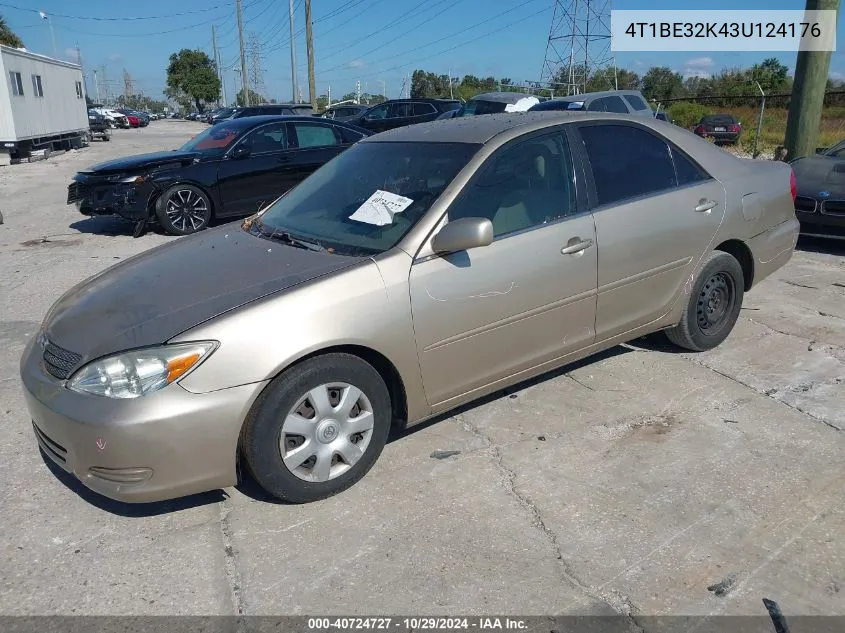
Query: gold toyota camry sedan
419	270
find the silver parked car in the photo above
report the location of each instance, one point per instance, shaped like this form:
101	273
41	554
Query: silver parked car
419	270
619	101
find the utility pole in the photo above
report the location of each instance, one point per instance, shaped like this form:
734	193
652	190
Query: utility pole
294	84
244	77
805	107
329	93
97	86
127	86
82	70
309	46
217	63
358	92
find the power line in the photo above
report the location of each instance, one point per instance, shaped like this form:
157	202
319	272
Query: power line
457	46
177	30
446	37
121	19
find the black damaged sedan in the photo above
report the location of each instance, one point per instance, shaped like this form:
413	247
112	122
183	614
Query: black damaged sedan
230	170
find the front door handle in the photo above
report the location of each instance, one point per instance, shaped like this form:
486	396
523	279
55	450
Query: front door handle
705	205
576	245
284	158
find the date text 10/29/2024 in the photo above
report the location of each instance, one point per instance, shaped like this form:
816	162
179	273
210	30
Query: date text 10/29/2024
418	624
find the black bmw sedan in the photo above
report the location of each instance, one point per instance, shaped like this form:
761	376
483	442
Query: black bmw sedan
229	170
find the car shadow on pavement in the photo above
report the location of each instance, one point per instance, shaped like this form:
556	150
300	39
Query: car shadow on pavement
251	489
103	225
821	245
131	510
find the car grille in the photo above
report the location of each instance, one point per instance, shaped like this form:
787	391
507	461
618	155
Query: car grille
75	192
49	446
805	204
58	361
833	207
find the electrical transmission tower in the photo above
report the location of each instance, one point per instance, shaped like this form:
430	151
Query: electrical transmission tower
256	78
127	85
578	46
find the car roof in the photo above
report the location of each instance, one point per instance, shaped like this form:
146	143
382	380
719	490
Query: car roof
502	97
421	99
481	129
250	121
595	95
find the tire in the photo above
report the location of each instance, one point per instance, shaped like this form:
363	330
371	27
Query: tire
183	209
333	451
713	305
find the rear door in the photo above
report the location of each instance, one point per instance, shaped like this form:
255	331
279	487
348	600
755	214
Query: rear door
656	213
247	184
313	144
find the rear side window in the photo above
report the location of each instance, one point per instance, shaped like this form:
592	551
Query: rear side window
596	105
315	135
349	136
627	162
479	107
688	172
400	110
614	104
636	102
421	109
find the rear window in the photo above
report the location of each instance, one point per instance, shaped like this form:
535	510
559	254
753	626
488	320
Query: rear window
558	104
636	102
474	107
421	109
614	104
719	119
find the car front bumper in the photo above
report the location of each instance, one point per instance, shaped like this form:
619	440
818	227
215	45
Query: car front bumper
165	445
826	218
131	202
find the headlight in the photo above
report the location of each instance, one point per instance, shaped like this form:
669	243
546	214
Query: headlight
140	372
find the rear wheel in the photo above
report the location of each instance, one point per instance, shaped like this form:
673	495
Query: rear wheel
318	428
713	305
183	209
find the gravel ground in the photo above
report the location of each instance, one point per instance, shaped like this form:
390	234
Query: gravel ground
639	482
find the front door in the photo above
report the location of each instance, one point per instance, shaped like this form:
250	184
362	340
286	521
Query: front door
656	213
488	313
248	183
316	143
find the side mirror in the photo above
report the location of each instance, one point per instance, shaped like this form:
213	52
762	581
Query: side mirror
463	234
241	151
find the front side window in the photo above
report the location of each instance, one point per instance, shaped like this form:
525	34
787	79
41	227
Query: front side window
36	86
213	141
78	89
523	185
315	135
627	162
473	107
17	84
342	207
268	139
379	112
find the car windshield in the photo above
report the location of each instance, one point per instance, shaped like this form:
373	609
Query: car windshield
836	150
214	140
473	107
365	200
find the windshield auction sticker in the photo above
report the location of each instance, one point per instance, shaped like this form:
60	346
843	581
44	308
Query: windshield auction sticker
711	31
380	208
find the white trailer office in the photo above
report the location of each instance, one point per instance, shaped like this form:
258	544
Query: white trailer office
42	103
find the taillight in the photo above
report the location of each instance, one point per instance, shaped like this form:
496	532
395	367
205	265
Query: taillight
793	185
699	129
733	127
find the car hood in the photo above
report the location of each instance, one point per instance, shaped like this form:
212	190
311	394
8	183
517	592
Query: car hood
817	174
142	161
152	297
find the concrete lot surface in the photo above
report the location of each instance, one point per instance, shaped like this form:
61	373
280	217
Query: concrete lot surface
642	482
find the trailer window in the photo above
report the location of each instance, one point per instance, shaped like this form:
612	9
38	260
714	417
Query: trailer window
36	86
17	84
78	89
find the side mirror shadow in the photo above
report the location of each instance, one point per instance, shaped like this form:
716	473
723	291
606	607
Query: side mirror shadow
241	151
463	234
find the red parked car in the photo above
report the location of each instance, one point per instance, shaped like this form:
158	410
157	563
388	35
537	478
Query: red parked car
723	128
133	120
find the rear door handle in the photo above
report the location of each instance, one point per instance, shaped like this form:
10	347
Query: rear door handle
705	205
576	245
284	158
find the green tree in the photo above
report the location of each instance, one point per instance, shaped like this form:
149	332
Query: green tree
254	98
772	75
662	83
7	36
192	77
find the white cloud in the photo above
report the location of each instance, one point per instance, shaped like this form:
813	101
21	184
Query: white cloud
115	57
700	62
70	53
837	76
357	63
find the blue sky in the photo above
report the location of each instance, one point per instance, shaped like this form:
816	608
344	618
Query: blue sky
379	42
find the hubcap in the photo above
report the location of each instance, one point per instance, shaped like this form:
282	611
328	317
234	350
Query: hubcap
184	207
715	303
326	432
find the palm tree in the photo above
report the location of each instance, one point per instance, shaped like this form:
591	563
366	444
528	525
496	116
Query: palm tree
7	37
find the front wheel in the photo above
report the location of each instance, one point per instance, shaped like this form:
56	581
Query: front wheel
713	305
317	428
183	209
